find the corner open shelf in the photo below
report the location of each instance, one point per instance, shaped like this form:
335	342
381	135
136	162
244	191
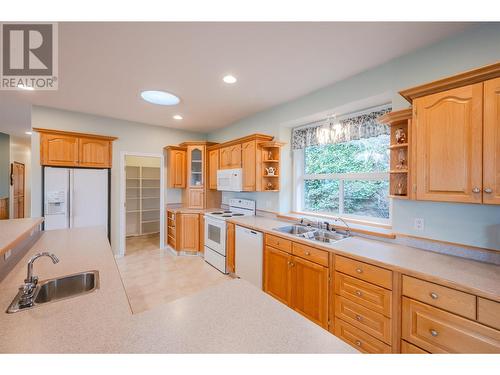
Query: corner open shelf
270	158
400	185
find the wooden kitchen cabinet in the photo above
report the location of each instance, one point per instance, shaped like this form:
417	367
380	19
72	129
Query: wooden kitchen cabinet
230	248
449	145
249	165
230	157
213	166
58	150
277	274
309	291
69	149
491	142
95	153
190	234
196	198
176	167
196	166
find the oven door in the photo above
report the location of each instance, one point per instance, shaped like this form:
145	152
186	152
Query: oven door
215	235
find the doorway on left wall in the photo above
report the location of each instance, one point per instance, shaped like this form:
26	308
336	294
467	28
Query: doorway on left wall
142	203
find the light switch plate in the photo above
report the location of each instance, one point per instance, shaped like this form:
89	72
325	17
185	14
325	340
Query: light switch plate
418	224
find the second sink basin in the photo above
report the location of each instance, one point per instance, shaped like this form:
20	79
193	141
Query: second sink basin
296	229
68	286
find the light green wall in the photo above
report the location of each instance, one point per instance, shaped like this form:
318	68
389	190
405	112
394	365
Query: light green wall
4	165
474	47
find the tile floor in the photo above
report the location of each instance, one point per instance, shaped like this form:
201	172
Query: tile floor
152	276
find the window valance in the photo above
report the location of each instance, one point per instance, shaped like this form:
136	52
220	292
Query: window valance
331	130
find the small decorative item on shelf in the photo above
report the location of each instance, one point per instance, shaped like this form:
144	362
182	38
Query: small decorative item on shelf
400	136
270	171
401	159
269	186
400	190
270	155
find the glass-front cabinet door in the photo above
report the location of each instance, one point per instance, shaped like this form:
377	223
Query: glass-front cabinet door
196	166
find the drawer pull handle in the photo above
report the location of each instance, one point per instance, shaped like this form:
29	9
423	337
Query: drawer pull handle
358	343
358	293
308	253
434	295
433	332
359	318
359	270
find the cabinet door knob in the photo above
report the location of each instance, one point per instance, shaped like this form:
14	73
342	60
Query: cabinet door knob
433	332
358	293
308	253
359	318
434	295
358	343
359	270
476	190
488	191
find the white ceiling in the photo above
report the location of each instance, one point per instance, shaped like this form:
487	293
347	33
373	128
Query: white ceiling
104	66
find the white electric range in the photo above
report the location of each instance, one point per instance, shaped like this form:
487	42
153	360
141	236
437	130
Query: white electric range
215	230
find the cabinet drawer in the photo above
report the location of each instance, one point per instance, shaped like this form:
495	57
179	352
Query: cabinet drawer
440	296
310	253
488	312
364	271
438	331
279	243
407	348
371	296
359	339
369	321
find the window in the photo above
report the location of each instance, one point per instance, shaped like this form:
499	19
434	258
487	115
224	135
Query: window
349	178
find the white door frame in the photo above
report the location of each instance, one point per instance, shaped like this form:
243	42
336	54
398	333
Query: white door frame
123	233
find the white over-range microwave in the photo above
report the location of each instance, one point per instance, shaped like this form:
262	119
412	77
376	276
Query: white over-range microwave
229	179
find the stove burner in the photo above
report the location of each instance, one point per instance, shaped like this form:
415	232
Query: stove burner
237	214
216	213
227	212
227	215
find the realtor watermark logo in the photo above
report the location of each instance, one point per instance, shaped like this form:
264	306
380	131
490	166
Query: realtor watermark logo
29	56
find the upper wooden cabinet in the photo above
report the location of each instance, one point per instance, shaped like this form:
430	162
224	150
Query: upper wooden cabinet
456	137
449	145
249	165
196	166
68	149
213	166
176	167
491	142
230	157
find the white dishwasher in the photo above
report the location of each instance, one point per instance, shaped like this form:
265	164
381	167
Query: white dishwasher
248	258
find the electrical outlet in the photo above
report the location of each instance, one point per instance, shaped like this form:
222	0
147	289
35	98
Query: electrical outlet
7	254
418	224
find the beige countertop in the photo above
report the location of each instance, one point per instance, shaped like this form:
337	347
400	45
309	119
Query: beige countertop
233	317
15	230
480	278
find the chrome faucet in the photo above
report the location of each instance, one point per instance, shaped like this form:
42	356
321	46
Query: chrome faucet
348	228
28	289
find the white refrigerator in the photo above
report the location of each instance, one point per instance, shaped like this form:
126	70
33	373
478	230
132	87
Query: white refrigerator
75	198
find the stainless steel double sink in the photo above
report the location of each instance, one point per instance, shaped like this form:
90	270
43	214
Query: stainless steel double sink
58	288
308	232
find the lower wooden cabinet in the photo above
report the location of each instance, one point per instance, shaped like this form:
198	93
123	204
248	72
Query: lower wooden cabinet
438	331
359	339
230	247
189	231
407	348
277	274
309	290
298	283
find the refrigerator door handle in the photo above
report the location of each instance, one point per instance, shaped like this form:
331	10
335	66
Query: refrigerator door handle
68	200
71	198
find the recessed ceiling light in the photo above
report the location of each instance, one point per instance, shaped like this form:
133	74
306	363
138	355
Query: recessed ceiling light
229	79
177	117
160	97
28	133
23	87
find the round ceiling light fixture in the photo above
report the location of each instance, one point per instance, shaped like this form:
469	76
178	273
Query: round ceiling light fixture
229	79
160	97
177	117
